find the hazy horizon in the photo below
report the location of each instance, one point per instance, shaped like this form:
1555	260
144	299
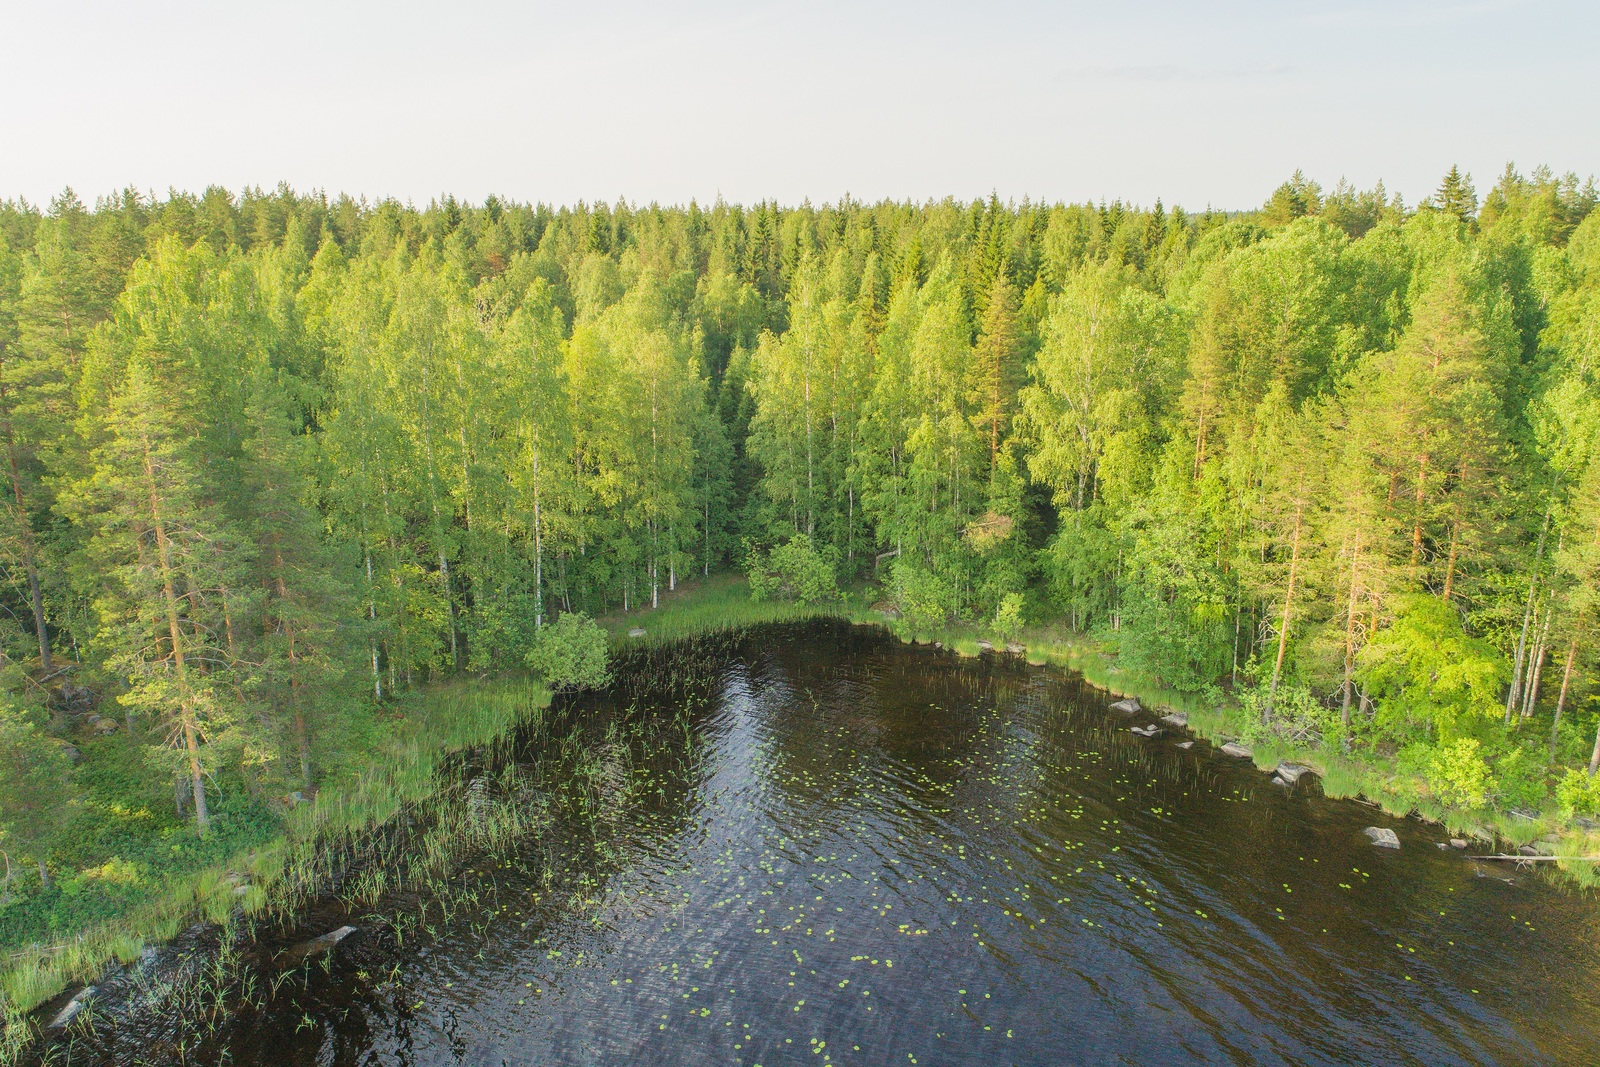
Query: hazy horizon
772	101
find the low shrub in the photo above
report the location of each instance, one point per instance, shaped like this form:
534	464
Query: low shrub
795	570
571	653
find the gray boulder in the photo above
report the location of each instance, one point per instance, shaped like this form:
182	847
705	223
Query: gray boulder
1176	719
1236	750
317	945
1382	836
1127	707
71	1009
1292	772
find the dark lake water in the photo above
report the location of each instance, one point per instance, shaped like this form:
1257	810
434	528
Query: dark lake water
850	851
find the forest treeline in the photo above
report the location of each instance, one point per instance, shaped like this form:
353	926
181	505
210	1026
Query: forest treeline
272	458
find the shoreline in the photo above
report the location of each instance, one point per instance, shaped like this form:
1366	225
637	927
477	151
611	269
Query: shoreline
1369	779
430	728
462	714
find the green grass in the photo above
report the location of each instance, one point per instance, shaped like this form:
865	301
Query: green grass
393	762
720	602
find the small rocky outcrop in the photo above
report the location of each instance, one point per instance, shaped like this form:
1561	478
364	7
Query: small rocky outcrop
1127	706
1382	836
1236	750
70	1010
1176	719
316	946
1293	772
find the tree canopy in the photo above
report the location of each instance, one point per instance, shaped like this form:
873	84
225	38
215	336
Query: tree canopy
273	458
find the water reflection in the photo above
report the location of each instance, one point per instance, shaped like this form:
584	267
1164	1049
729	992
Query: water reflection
850	851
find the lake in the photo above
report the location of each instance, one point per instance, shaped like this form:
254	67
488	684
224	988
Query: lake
823	846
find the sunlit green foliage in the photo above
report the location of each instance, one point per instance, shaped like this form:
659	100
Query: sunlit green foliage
794	570
274	460
571	653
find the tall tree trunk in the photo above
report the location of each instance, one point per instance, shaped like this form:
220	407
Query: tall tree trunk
450	602
372	617
1450	567
1561	701
1538	664
538	548
1518	661
1416	528
36	601
1455	536
1288	605
186	711
994	412
850	526
1594	757
811	489
1350	637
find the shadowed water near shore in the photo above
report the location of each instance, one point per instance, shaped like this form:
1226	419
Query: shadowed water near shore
818	845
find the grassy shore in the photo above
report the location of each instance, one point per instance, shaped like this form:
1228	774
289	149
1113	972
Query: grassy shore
395	763
701	606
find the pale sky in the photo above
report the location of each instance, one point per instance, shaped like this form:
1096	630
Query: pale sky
1197	103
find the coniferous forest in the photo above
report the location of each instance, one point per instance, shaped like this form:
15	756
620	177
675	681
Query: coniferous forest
273	460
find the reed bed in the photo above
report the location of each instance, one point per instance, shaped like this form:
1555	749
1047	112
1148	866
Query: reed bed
402	770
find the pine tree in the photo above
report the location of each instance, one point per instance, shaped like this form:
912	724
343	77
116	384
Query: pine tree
161	471
1456	196
302	577
994	366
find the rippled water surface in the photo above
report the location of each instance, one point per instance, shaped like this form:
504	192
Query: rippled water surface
851	851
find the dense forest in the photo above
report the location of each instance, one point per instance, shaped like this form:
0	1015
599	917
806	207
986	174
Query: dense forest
272	459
